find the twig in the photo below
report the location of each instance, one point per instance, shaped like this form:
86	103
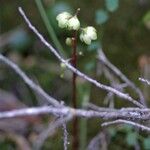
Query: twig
106	62
96	83
29	82
145	81
98	142
142	127
125	113
50	131
65	135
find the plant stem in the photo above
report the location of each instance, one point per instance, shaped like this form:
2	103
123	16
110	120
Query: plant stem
49	27
74	92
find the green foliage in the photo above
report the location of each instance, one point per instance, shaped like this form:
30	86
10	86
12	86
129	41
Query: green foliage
132	138
7	144
146	143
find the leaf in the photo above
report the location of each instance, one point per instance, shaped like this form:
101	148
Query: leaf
101	16
132	138
112	5
146	143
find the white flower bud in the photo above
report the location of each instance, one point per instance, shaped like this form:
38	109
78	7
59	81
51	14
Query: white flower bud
62	19
73	23
86	39
68	41
88	34
91	32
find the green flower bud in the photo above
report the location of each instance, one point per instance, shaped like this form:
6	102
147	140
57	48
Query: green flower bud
68	41
62	19
73	23
62	65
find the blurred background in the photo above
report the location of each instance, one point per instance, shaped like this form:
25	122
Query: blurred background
123	28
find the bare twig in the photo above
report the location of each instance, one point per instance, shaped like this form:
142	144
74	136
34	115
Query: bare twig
125	113
29	82
50	131
96	83
142	127
65	136
106	62
145	81
98	142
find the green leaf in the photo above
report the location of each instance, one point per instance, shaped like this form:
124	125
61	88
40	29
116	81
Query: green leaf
132	138
101	16
146	143
112	5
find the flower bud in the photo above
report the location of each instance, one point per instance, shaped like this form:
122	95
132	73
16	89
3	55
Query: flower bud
73	23
91	32
62	65
88	34
68	41
62	19
84	38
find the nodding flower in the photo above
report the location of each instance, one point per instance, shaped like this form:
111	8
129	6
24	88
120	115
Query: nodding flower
73	23
62	19
88	34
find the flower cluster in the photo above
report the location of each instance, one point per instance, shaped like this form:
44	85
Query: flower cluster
66	20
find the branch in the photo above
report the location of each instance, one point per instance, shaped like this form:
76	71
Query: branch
125	113
142	127
114	69
145	81
29	82
65	135
50	131
96	83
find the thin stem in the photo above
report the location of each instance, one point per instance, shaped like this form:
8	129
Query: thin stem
74	64
49	27
74	91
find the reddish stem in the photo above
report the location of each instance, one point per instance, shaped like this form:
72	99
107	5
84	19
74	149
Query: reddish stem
74	92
